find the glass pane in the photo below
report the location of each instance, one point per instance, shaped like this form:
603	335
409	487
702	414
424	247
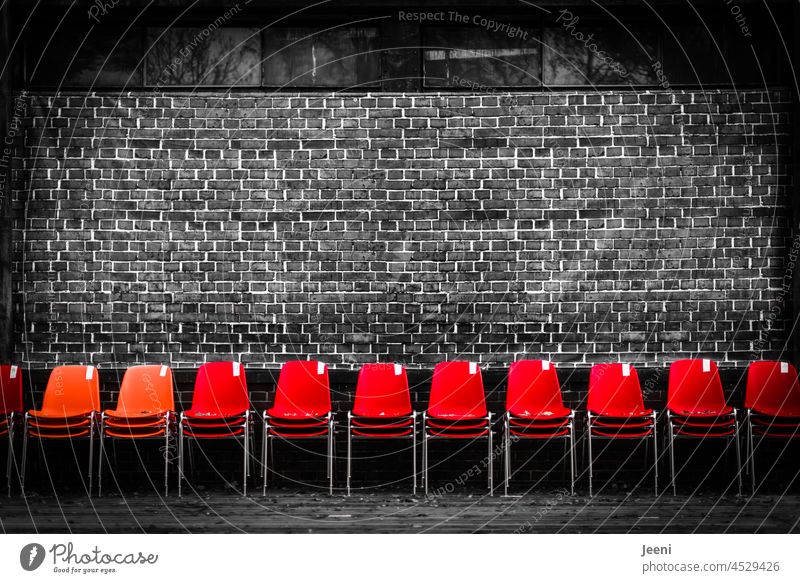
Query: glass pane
474	57
591	54
307	57
193	56
693	55
96	62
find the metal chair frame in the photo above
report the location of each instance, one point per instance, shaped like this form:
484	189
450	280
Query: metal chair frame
488	437
329	435
569	439
652	426
412	437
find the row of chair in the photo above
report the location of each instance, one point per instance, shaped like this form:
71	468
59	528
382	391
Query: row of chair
220	409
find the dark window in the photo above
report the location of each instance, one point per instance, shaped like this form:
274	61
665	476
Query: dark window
585	53
474	57
693	54
96	57
310	57
203	56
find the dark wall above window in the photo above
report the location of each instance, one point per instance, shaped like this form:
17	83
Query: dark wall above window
470	49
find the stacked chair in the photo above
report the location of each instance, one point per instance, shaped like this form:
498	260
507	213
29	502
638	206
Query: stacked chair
535	411
145	411
301	411
70	411
772	406
382	410
696	409
220	411
616	411
10	410
457	411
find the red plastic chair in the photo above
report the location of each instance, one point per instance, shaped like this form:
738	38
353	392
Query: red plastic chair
10	410
220	410
301	410
382	410
69	411
616	410
145	411
696	408
772	405
535	410
457	410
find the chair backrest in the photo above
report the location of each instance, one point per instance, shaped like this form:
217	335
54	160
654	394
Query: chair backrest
146	389
694	386
303	390
532	388
614	390
382	390
72	391
10	389
772	387
220	388
457	390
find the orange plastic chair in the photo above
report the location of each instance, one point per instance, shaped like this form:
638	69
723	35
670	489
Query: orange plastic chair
70	411
145	410
10	409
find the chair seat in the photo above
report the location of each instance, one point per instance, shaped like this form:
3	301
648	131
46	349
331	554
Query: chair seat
61	434
538	423
283	433
135	423
200	415
784	412
552	413
214	432
381	433
280	413
135	433
623	414
124	414
433	432
538	433
726	410
388	423
53	424
45	415
456	425
707	422
711	432
622	432
774	422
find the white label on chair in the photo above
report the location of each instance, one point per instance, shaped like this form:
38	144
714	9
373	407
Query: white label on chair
13	371
706	365
545	365
89	373
164	370
626	370
237	369
398	370
473	367
784	368
320	368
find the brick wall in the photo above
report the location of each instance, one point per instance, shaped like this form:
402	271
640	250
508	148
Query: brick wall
578	226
